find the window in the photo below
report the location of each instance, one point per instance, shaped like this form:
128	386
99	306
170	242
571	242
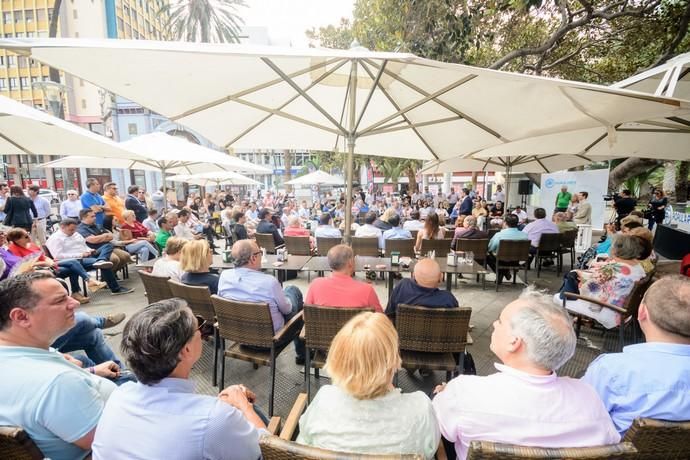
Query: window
7	17
22	62
3	84
34	79
132	128
8	35
75	15
120	24
42	34
24	82
11	60
18	16
30	34
41	15
126	10
19	34
29	15
2	60
83	103
81	82
13	83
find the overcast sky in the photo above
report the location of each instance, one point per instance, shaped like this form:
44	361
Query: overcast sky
287	20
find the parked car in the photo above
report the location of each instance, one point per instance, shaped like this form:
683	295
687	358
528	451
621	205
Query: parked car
48	194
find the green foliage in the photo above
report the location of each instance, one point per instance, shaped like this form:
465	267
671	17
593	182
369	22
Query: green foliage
208	21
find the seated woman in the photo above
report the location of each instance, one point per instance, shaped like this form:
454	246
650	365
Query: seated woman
609	281
20	245
372	415
196	261
442	211
142	239
467	230
479	213
432	231
169	264
382	222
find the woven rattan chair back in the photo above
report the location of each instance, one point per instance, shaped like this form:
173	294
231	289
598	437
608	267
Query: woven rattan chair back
513	250
157	287
15	444
324	244
265	241
365	246
440	247
275	448
323	323
298	245
484	450
568	238
659	439
404	247
432	330
549	242
449	233
492	232
478	247
414	234
633	301
247	323
198	298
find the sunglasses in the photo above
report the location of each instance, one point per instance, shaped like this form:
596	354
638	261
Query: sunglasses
205	327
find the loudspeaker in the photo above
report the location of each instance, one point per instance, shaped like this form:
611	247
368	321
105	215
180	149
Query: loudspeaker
525	187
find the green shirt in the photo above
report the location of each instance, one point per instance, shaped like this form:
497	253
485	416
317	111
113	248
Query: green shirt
563	199
162	238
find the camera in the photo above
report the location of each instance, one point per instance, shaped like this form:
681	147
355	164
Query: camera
611	196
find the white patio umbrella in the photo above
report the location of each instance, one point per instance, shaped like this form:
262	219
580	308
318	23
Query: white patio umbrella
317	178
388	104
25	130
214	178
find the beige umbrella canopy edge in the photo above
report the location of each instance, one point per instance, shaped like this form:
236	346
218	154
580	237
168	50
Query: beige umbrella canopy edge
317	178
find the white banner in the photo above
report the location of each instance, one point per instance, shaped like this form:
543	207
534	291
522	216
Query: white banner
593	182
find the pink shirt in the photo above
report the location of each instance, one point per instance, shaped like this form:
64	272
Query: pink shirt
514	407
340	290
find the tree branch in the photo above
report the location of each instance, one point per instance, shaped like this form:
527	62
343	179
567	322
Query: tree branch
680	35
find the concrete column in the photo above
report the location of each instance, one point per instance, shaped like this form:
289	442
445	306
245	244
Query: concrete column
447	177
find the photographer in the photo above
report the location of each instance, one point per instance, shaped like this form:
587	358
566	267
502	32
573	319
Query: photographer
624	204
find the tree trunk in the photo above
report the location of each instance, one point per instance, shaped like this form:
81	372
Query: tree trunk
411	181
682	182
54	74
287	162
629	168
669	183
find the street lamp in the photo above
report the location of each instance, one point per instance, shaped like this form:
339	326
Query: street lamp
53	94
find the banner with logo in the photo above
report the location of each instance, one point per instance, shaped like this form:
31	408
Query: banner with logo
593	182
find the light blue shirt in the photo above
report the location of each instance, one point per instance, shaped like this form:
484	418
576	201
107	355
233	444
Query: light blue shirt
397	233
506	234
534	230
646	380
70	208
2	205
327	231
168	420
42	207
247	285
52	399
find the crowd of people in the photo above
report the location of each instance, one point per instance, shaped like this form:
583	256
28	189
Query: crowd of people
138	405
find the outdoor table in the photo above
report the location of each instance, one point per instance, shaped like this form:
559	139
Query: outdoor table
464	269
320	264
293	263
216	264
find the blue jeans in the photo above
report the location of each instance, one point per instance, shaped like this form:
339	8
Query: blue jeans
143	249
86	335
294	295
102	253
126	376
72	269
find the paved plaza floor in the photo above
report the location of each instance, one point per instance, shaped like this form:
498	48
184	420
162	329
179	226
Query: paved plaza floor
485	304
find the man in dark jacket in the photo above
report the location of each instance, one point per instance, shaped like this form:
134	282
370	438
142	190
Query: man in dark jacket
267	226
133	204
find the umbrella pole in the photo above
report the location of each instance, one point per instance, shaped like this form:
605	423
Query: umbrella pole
165	191
508	168
352	91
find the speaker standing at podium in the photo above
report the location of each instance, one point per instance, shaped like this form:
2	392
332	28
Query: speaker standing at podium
563	199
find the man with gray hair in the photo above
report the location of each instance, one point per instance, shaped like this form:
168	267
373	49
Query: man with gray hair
525	402
162	343
340	289
661	387
246	283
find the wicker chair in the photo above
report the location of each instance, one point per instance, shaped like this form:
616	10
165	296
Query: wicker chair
157	287
568	246
249	327
298	245
549	245
440	247
628	310
405	247
484	450
323	244
265	241
199	300
321	324
449	233
366	246
659	439
510	254
433	338
15	444
414	234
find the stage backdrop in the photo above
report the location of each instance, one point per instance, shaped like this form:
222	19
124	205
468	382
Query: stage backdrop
593	182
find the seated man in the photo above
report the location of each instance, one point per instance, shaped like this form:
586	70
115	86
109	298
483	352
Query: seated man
560	219
247	283
414	223
325	229
395	232
239	230
534	230
35	309
368	230
182	230
340	289
510	232
151	222
660	388
165	232
161	411
68	244
521	215
469	230
525	402
422	289
266	225
97	237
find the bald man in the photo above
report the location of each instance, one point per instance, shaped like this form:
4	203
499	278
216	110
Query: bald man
421	290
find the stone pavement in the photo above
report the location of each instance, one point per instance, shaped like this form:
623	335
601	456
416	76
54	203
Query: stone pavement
486	305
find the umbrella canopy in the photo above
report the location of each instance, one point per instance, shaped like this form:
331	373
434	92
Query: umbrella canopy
317	178
25	130
214	178
389	104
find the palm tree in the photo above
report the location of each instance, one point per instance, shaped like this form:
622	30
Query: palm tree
208	21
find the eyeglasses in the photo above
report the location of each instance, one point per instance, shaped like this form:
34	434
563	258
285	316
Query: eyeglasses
204	327
25	236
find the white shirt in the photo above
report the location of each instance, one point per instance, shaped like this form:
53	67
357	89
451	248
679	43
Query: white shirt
522	216
500	196
182	231
70	208
327	231
167	267
413	225
62	246
369	231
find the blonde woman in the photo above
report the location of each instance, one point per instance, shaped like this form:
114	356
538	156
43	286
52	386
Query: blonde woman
169	264
372	415
196	261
